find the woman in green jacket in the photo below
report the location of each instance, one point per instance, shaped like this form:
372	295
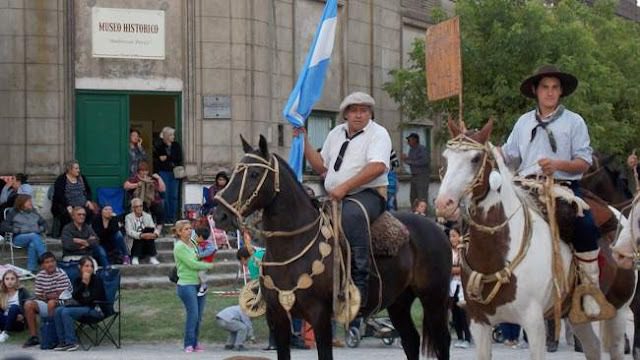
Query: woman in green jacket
186	258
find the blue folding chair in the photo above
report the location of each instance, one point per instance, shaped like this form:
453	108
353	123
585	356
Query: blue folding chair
113	196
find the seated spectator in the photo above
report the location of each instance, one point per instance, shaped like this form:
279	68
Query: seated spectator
88	292
71	190
28	229
79	239
420	207
13	186
12	299
210	202
143	231
111	239
51	282
148	189
238	324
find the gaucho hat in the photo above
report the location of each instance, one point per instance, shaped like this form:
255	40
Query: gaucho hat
569	82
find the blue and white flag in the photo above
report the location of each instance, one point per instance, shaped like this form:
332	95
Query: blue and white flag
309	86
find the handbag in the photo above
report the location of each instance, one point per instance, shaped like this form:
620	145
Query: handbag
179	172
48	335
173	275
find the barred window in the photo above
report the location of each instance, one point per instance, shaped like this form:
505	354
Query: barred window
319	123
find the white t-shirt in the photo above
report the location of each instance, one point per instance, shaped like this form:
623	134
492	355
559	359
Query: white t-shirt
13	300
373	145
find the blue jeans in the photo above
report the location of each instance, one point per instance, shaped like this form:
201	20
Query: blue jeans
194	305
35	248
9	322
170	196
100	255
120	245
65	320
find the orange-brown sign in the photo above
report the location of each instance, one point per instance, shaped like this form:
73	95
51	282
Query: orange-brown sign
444	62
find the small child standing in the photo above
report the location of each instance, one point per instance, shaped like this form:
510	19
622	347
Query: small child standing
207	248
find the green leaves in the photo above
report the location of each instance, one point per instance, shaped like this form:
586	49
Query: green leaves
504	41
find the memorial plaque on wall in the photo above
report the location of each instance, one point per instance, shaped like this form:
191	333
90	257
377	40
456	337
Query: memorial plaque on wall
443	58
216	107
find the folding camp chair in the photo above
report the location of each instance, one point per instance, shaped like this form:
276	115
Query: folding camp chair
113	196
95	330
7	241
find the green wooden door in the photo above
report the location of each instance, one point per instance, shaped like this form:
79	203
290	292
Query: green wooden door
102	122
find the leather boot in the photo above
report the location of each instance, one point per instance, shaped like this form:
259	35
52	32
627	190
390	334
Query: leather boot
589	274
360	272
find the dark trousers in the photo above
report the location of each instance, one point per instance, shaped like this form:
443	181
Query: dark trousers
143	248
587	233
10	321
356	229
510	332
460	322
419	187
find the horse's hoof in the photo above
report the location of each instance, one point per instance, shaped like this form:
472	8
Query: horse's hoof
552	346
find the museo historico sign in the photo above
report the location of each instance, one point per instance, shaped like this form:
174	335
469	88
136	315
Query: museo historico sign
128	33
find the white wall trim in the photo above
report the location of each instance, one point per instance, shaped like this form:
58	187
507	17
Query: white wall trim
154	84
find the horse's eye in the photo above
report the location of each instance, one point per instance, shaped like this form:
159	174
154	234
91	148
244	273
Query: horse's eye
476	159
253	174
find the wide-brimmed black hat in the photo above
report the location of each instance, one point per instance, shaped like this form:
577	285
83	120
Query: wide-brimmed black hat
569	82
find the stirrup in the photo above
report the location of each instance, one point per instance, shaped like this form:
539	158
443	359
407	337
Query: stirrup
577	314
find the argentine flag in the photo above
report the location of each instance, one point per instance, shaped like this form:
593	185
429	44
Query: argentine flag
308	88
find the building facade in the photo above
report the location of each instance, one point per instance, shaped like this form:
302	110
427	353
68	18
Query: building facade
76	75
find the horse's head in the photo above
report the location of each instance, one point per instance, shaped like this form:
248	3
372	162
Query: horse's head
253	185
466	169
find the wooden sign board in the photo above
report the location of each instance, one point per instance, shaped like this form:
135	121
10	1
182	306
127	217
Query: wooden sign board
443	59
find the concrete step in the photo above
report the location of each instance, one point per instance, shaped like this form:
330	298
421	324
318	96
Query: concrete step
215	280
142	270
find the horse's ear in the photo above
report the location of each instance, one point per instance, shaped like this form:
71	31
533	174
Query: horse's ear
245	145
454	128
264	150
485	133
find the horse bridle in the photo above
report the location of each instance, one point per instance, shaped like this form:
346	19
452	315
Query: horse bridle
239	206
465	143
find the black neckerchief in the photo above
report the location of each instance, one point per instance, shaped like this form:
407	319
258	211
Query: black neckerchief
543	125
343	148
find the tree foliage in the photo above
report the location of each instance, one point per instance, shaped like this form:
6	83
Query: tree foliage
504	41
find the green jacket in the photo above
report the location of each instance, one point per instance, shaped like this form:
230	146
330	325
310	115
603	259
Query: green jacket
253	263
188	265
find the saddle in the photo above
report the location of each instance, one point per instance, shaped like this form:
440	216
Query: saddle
569	206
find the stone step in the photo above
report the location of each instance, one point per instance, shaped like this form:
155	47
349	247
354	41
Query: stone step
164	243
145	270
214	280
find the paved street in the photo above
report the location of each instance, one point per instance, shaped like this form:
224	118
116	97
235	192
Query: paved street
369	349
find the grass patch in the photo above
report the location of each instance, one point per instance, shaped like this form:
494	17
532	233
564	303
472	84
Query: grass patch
157	315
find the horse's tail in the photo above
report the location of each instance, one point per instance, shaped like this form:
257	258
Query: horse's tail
435	335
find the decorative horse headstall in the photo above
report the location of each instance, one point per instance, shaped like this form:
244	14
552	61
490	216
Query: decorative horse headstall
463	142
239	206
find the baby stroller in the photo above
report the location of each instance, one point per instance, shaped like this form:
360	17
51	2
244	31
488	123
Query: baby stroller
380	328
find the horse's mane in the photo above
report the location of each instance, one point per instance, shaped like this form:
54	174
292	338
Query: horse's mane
285	165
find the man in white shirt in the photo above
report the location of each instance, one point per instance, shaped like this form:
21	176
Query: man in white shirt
554	141
355	160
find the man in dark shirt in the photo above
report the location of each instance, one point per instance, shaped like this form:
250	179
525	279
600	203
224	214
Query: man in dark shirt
418	161
79	239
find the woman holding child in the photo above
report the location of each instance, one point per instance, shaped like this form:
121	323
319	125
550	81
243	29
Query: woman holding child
185	254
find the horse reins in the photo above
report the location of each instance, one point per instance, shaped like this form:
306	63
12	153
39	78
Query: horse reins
478	280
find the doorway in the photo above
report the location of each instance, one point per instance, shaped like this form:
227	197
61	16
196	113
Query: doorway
103	121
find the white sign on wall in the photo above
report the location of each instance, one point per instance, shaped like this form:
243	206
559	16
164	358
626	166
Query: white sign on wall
128	33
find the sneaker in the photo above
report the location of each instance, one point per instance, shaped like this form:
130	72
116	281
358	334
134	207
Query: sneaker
203	290
199	348
153	260
4	336
464	345
240	348
188	349
457	343
73	347
135	261
31	341
62	347
271	348
126	260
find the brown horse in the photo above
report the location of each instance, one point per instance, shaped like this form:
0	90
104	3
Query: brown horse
421	269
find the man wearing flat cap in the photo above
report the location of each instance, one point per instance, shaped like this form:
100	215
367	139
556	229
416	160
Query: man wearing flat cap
418	161
554	141
355	159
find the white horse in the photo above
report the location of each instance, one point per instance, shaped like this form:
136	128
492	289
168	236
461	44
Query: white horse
511	243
